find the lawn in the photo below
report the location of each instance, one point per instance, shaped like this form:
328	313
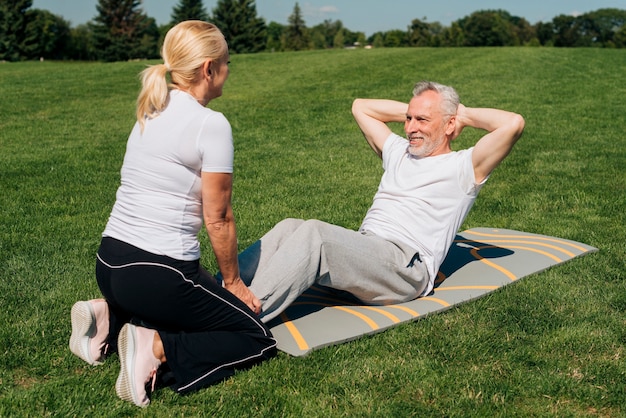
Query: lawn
551	345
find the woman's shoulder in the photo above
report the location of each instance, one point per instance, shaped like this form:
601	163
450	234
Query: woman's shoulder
187	105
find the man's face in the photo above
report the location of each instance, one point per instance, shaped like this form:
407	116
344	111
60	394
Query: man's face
425	126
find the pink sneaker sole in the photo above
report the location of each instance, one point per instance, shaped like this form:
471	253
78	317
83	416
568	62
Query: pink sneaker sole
138	365
84	332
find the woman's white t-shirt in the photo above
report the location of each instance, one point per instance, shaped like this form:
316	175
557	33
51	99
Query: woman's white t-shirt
158	205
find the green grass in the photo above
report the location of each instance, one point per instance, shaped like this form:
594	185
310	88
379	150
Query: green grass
551	345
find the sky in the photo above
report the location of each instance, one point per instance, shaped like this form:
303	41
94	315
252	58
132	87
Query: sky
368	16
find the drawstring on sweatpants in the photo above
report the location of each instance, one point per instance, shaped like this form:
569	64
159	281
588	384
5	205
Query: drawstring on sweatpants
415	258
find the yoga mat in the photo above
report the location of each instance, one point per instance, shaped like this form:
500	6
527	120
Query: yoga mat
480	261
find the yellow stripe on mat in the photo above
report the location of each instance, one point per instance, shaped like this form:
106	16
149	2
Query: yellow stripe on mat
293	330
560	241
405	309
439	301
439	289
552	256
389	315
365	318
507	241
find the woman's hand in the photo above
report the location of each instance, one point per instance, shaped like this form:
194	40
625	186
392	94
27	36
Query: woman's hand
238	288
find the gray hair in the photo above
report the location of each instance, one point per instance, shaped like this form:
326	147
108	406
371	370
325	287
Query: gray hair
449	97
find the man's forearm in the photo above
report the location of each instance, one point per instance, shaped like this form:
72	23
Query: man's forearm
382	110
485	118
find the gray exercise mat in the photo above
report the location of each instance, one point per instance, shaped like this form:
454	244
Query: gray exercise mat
480	261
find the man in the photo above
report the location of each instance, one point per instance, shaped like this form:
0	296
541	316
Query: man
424	195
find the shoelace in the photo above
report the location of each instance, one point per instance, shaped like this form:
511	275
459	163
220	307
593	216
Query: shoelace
149	386
153	377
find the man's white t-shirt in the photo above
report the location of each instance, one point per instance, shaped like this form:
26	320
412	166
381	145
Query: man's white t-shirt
158	205
422	202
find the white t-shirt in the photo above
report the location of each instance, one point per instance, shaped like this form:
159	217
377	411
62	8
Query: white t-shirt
422	202
158	205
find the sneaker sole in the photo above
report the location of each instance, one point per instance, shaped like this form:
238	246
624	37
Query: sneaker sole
83	329
127	351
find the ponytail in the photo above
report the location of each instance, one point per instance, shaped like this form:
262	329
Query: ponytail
153	96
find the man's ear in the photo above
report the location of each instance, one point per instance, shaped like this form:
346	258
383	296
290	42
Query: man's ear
451	126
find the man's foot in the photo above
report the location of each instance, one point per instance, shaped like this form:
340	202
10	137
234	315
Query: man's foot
138	364
90	330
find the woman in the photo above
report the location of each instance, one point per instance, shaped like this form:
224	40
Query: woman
161	310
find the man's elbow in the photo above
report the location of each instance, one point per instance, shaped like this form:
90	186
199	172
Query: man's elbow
517	125
357	107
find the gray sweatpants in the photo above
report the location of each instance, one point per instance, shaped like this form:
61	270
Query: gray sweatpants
297	253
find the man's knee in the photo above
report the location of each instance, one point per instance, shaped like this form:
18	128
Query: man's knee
289	224
300	226
307	231
316	226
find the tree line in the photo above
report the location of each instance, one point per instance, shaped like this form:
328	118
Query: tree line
121	31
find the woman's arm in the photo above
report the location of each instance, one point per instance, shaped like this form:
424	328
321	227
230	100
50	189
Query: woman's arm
219	221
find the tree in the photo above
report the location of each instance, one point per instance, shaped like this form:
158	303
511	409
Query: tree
435	29
189	10
619	39
122	31
244	31
274	36
339	41
602	25
420	34
147	45
545	33
360	38
13	22
523	31
352	38
396	38
318	40
377	40
566	31
452	36
488	28
81	45
323	34
296	35
597	28
46	35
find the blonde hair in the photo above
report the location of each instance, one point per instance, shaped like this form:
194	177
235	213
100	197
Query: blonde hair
185	49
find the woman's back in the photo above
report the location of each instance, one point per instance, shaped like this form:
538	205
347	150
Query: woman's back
159	202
